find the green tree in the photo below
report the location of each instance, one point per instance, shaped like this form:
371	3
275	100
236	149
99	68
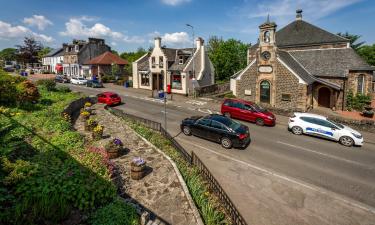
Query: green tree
115	52
28	52
228	56
43	52
353	39
131	57
8	54
368	53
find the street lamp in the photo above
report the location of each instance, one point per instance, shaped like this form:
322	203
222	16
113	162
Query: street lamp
192	54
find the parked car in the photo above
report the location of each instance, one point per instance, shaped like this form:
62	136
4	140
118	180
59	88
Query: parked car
317	125
78	80
61	79
217	128
109	98
94	84
249	111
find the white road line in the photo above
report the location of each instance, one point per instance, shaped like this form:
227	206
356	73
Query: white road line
347	200
326	155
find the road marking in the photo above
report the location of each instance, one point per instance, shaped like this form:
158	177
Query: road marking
207	111
326	155
195	102
346	200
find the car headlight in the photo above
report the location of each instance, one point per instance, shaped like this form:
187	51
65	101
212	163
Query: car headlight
357	136
270	117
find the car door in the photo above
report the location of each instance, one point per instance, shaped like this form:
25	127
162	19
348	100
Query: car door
326	129
101	98
309	125
216	131
248	113
237	110
201	127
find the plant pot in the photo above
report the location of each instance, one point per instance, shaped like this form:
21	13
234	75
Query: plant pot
368	108
137	171
368	113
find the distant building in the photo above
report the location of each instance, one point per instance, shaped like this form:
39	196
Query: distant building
174	67
301	66
80	51
53	58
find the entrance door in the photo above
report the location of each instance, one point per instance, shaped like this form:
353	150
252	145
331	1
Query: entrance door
324	97
265	92
161	82
154	81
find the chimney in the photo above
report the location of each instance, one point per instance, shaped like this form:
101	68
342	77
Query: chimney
199	42
157	42
299	14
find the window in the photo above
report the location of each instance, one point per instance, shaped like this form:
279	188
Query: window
237	105
266	37
181	59
76	47
324	123
360	84
308	119
176	81
217	125
228	103
145	79
204	122
286	97
265	92
153	62
67	49
160	61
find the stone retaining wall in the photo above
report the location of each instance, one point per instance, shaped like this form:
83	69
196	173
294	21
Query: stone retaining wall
74	107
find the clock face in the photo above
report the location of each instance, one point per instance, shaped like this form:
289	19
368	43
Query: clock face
266	55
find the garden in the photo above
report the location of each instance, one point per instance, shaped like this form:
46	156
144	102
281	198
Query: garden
49	174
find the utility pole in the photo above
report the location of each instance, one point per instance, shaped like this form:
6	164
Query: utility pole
192	54
165	112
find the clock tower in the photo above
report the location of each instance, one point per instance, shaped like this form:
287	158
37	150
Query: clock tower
266	61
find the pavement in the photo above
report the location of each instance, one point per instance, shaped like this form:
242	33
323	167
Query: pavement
280	178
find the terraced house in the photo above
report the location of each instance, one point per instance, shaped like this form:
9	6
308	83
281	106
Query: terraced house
301	66
182	70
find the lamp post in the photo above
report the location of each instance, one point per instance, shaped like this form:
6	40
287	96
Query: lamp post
192	54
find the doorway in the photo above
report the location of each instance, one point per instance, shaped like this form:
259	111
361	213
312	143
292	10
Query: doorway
265	92
324	97
157	81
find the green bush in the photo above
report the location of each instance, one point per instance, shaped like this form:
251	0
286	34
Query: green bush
63	89
107	78
49	84
27	92
357	102
116	213
229	95
8	90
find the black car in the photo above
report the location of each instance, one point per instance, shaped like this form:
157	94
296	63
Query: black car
217	128
61	79
94	84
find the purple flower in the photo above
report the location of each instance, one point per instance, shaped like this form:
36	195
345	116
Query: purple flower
117	141
138	161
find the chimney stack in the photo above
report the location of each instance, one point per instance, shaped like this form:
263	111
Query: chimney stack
299	14
199	42
157	42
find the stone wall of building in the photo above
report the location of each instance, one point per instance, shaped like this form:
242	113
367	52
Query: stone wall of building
70	59
247	82
353	82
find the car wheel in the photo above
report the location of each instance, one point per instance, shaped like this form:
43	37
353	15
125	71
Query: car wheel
227	114
346	141
259	122
297	130
186	130
226	143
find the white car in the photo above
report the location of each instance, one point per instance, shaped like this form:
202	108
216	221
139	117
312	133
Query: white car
317	125
78	80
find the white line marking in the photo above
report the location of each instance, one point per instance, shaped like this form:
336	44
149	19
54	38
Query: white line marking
326	155
349	201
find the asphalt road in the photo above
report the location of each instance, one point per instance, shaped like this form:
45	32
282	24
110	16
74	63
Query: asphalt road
349	172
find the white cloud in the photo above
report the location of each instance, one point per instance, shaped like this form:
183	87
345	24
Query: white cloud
7	31
174	2
38	21
177	39
76	27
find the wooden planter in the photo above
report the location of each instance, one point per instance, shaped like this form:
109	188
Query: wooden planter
113	152
137	171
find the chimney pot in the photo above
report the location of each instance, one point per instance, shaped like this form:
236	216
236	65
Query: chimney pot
299	14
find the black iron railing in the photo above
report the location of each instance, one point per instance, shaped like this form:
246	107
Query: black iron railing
193	160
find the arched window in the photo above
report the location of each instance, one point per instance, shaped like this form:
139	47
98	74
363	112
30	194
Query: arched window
360	84
266	37
265	91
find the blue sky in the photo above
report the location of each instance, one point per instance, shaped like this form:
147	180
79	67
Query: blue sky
127	25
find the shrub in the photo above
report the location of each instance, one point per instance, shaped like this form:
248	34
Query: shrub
49	84
63	89
8	90
116	213
357	102
229	95
27	92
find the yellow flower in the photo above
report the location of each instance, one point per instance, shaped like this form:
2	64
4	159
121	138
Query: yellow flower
17	114
85	113
98	129
87	104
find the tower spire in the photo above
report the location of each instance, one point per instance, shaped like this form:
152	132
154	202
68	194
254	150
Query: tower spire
268	18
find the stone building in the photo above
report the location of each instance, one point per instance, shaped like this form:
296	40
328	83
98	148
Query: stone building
79	52
300	67
183	69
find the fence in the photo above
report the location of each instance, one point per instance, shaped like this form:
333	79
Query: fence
193	160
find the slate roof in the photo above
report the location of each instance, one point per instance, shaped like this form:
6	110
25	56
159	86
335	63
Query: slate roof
55	52
175	65
330	62
107	58
300	33
143	64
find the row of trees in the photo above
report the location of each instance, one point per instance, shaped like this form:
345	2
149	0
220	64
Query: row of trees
367	52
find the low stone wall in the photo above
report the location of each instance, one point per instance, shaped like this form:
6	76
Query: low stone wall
74	107
361	125
213	89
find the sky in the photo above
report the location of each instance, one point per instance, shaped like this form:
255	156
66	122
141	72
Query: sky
129	24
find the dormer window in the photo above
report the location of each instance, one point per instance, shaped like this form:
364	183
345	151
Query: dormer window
266	37
76	47
180	59
160	61
67	49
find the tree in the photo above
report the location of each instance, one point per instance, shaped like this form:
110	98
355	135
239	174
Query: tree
8	54
115	52
353	38
228	56
28	52
368	53
131	57
43	52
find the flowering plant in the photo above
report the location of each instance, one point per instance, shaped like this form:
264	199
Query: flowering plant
117	141
88	104
91	122
138	161
85	113
113	145
98	129
66	117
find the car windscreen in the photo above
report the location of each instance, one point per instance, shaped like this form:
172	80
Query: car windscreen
336	124
258	108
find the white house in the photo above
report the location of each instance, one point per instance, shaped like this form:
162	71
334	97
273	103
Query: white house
165	67
54	57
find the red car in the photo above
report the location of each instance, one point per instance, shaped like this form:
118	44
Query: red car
109	98
249	111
